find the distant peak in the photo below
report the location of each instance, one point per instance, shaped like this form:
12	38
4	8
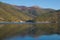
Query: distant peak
36	6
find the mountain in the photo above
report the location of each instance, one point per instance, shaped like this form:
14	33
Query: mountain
34	10
14	13
39	14
10	13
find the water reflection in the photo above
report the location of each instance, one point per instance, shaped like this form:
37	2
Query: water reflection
34	30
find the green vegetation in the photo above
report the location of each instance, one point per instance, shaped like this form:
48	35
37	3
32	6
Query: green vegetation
11	13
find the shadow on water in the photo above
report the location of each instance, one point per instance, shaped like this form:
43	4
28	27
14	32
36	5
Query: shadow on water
33	30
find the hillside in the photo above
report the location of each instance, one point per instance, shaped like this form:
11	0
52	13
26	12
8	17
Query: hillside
10	13
13	13
40	14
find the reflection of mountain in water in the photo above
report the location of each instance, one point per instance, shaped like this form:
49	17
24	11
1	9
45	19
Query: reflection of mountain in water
8	30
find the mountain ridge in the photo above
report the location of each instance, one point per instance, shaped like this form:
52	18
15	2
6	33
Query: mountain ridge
13	13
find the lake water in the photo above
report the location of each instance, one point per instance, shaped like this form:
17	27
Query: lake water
30	31
43	37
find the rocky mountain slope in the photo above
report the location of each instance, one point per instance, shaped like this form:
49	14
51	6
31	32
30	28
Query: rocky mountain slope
14	13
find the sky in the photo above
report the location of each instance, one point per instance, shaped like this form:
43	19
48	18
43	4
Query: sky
54	4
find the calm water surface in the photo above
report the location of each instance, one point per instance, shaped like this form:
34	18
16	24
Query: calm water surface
39	31
43	37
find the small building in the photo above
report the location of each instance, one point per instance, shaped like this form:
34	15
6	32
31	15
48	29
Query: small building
18	20
21	21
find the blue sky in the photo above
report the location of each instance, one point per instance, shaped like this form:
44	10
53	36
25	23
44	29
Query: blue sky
54	4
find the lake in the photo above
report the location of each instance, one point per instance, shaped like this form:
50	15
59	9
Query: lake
31	31
43	37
